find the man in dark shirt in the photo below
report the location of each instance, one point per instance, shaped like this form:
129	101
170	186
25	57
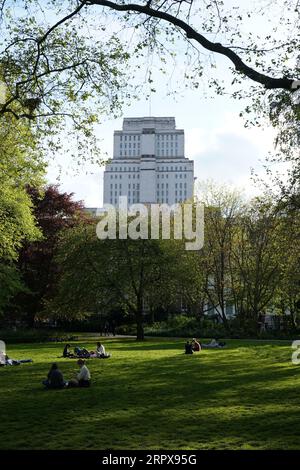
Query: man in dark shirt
188	348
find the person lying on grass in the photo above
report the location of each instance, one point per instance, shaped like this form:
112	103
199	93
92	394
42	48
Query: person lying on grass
81	352
214	344
55	378
83	378
6	361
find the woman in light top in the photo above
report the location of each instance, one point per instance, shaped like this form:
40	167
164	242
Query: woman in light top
84	376
100	351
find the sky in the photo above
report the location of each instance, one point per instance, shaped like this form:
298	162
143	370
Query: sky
215	138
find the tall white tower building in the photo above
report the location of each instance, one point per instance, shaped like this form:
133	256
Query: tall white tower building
148	163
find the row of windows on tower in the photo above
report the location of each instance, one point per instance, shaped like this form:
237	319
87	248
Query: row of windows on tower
180	176
129	138
159	137
162	145
160	152
132	197
131	194
162	185
130	153
137	186
177	193
159	169
162	197
120	176
159	145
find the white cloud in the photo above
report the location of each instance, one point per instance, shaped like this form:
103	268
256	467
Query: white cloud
227	153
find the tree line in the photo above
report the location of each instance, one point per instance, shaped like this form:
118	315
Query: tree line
250	261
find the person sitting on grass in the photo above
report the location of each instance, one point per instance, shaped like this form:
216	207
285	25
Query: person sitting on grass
100	352
196	345
66	352
55	378
83	378
188	348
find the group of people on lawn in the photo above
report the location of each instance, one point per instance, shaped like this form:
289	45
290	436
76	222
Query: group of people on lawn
83	353
55	379
196	346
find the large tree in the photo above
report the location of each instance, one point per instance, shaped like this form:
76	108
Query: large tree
54	211
125	274
223	207
20	164
257	255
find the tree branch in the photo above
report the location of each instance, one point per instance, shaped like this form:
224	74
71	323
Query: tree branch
60	22
268	82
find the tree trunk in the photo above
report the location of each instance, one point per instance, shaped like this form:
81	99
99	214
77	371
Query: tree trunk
139	320
139	327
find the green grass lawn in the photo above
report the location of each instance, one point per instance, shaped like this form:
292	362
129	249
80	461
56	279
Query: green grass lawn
151	396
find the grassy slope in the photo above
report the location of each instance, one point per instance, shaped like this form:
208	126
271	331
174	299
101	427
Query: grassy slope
152	396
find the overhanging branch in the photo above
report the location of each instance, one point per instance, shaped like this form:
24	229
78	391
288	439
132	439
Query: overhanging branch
265	80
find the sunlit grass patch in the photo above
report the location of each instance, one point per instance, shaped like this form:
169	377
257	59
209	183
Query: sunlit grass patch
150	395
